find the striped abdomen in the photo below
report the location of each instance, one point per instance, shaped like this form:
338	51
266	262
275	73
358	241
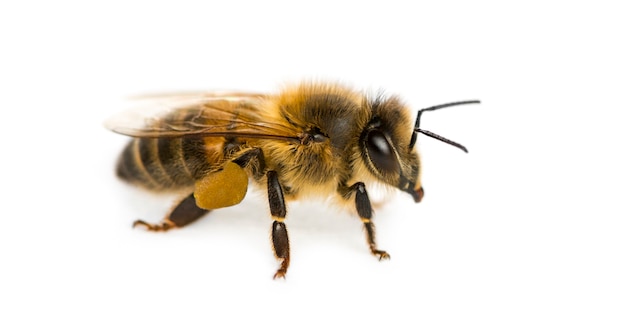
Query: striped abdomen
167	163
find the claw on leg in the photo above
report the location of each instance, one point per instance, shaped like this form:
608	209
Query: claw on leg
382	255
280	273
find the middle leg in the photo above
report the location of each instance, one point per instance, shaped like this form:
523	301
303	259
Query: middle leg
280	238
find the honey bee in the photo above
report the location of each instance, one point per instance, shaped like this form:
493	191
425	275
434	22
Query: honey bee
309	140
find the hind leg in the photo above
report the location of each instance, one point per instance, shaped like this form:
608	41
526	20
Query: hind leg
183	214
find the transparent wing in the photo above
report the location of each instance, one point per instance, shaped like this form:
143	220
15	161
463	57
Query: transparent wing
215	114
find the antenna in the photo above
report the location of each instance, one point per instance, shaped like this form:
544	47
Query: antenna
434	135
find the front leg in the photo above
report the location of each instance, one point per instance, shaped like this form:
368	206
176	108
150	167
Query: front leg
280	238
364	209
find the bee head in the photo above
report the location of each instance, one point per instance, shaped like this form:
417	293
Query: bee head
389	151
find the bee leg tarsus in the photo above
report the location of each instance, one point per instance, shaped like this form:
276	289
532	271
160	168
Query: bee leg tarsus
280	273
183	214
280	241
382	255
161	226
371	236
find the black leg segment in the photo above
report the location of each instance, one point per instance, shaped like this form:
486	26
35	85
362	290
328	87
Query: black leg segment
280	238
280	241
275	195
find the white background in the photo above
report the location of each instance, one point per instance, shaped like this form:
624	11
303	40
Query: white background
528	228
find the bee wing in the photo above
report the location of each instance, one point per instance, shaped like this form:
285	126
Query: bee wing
214	114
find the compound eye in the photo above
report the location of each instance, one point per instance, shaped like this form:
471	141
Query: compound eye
381	153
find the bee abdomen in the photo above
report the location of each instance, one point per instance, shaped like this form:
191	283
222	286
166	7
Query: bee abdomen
163	163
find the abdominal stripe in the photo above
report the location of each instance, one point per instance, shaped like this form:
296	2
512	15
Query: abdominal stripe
161	163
